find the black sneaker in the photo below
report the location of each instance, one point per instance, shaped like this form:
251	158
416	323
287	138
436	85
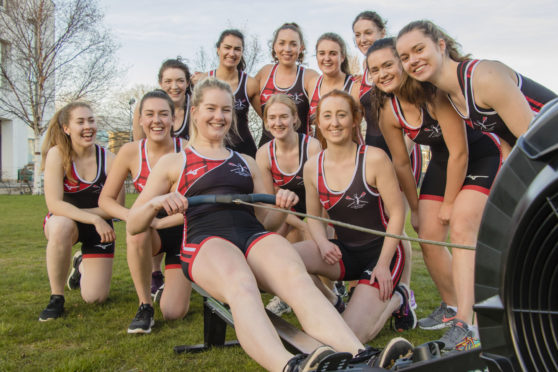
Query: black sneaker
340	304
324	358
75	276
397	348
143	321
54	309
405	317
365	355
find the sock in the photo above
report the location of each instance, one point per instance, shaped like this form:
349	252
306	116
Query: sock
454	308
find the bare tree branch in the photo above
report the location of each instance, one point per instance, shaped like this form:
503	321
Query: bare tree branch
57	49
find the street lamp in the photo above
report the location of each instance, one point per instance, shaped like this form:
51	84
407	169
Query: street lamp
131	103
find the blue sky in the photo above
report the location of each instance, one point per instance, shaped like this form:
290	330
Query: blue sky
522	34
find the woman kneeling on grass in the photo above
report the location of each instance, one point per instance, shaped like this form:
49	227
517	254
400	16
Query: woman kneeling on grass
354	183
227	250
156	113
75	170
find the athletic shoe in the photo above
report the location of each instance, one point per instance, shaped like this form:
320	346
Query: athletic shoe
157	296
157	281
324	358
74	279
365	355
468	343
143	321
456	334
412	301
397	348
340	289
54	309
340	304
404	318
278	307
440	318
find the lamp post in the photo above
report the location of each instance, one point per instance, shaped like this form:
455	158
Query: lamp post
131	103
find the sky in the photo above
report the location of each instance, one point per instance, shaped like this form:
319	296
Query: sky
522	34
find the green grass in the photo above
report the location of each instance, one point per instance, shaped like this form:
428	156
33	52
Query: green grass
93	337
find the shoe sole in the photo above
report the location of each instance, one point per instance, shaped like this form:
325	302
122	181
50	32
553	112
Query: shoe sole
396	349
435	327
140	330
73	272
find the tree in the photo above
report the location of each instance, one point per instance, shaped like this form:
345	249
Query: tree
57	51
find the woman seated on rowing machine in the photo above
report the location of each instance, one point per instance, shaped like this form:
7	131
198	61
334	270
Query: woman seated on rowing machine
227	250
355	184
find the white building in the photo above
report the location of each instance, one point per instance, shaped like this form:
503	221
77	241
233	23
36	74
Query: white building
16	138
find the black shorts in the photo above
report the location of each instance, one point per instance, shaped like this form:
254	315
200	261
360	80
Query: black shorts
484	163
239	227
91	246
171	241
358	263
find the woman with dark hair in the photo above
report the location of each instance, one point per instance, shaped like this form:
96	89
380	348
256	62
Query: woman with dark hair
333	62
287	75
75	170
369	26
165	233
356	184
489	95
460	173
226	248
174	79
230	48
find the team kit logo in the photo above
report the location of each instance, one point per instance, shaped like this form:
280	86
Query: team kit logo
484	126
434	131
357	201
240	169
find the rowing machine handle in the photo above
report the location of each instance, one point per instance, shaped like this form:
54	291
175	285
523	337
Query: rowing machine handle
229	198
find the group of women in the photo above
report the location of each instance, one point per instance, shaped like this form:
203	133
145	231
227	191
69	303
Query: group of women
192	138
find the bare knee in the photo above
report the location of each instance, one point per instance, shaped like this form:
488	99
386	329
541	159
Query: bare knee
241	286
61	231
175	312
94	298
135	242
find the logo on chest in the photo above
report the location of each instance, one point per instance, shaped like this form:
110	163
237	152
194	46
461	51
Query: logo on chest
357	201
484	126
240	169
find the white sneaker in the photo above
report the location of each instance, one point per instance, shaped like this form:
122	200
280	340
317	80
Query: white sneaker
278	307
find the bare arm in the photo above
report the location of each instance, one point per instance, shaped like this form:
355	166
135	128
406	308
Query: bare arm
495	87
284	198
330	252
253	90
379	172
262	75
54	197
455	137
109	198
392	132
156	194
137	130
310	77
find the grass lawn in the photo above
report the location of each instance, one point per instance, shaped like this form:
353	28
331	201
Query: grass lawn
93	337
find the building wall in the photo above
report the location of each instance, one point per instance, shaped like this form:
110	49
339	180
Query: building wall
16	147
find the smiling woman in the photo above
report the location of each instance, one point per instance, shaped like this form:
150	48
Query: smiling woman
287	75
75	171
230	48
227	249
156	116
489	95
